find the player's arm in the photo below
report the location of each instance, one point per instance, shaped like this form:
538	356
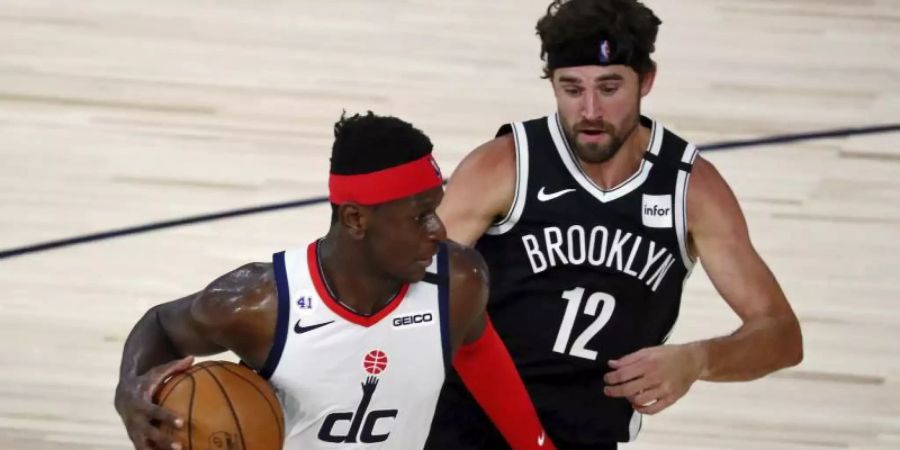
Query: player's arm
769	338
481	359
480	191
468	295
235	312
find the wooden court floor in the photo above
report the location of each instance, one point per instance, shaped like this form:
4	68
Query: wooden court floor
115	113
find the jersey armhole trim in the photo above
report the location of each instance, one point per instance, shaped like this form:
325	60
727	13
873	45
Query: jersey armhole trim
443	286
518	205
681	191
281	322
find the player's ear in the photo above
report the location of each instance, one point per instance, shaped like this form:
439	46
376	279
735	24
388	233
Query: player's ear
646	81
354	218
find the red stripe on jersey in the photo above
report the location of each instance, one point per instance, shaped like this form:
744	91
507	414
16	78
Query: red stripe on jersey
315	273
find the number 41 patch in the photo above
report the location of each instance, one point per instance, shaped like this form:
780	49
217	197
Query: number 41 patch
305	302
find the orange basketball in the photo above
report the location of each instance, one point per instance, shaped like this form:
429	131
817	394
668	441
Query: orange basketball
225	407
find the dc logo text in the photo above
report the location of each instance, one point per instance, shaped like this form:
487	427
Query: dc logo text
362	423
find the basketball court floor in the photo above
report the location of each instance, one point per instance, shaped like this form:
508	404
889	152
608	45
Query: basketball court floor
118	113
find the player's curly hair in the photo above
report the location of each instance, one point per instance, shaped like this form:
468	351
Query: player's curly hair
575	22
368	143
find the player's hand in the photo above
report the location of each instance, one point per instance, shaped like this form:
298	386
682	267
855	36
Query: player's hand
654	378
134	403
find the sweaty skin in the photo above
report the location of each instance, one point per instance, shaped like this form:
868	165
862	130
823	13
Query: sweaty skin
238	312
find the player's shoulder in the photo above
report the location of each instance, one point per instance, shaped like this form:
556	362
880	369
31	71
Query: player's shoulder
468	270
465	260
483	184
246	279
706	183
711	204
245	288
496	157
468	279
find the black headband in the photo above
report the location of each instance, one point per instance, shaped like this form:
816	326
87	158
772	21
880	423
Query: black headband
594	52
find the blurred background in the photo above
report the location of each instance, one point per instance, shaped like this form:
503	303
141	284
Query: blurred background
118	113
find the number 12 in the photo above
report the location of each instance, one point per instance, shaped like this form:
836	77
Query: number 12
574	297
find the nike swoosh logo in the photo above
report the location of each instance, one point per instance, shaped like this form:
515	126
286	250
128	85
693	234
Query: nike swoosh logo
300	330
541	439
545	197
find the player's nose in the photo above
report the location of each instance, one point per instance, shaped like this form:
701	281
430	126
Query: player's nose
437	232
591	109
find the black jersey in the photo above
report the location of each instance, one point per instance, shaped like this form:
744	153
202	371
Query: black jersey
578	276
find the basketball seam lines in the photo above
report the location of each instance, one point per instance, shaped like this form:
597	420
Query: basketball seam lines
237	421
261	393
189	372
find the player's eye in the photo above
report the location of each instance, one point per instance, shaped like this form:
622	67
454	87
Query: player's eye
608	90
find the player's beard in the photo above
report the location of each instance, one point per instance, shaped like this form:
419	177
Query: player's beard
596	152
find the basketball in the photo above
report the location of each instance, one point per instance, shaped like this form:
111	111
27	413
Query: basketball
225	406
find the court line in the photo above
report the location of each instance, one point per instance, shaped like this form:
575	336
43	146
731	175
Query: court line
157	226
716	146
787	138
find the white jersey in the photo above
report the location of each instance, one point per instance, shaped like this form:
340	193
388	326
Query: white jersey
349	381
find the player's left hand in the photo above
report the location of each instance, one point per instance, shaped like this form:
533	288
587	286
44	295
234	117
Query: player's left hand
654	378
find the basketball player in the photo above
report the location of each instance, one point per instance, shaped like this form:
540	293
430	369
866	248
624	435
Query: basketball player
354	331
590	220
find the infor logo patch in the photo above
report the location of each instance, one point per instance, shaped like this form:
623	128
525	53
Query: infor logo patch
656	211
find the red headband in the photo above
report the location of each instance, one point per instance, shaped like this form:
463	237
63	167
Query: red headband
386	185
